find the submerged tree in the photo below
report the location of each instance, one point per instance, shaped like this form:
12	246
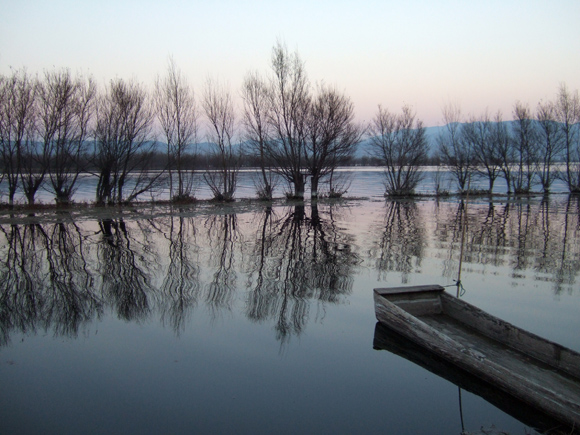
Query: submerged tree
123	142
295	133
257	130
502	142
399	142
289	103
454	151
332	135
568	115
550	144
33	157
17	123
177	114
219	110
478	134
525	148
66	107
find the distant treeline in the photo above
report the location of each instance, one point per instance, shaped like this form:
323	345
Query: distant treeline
56	126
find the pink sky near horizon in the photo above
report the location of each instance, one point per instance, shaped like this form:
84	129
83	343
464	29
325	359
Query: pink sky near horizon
478	54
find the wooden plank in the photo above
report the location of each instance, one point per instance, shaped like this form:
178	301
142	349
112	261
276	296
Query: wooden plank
409	289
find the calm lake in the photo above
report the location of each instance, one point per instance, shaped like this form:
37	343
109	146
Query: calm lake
251	319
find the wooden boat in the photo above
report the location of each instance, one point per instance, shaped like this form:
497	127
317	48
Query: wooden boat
538	373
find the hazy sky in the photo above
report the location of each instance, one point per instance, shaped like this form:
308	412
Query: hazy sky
479	54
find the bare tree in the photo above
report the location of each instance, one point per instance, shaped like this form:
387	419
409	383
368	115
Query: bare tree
288	116
525	139
33	156
332	135
17	122
454	151
550	144
177	114
66	108
399	142
219	110
123	142
257	130
568	115
478	132
502	142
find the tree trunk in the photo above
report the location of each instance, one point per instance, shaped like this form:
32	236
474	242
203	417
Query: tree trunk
299	187
314	187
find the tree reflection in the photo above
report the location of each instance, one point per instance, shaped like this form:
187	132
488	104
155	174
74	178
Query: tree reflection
569	261
222	233
402	242
523	235
452	233
526	238
45	280
59	274
71	299
123	266
486	239
181	286
293	260
20	278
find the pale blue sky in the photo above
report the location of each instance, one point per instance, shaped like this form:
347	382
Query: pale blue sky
480	54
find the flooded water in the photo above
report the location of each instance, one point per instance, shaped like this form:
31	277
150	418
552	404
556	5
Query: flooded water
253	319
357	181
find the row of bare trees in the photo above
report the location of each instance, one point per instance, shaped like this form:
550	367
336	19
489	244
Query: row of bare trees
43	130
55	127
534	149
58	126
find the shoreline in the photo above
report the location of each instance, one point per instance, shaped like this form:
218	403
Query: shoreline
23	213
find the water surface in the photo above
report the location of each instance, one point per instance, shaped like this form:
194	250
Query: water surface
258	319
